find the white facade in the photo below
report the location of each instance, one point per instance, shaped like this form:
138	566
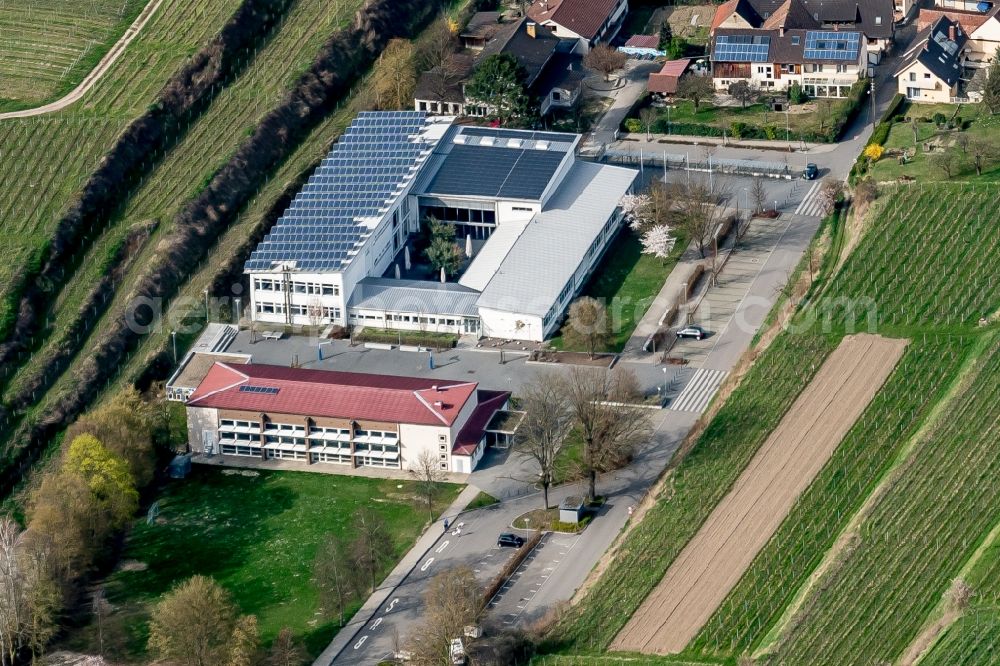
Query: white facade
919	84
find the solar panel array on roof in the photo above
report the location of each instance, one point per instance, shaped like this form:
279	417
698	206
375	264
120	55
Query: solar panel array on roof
741	48
486	171
358	179
554	137
832	45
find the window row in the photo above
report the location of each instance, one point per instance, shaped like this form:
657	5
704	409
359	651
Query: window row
319	311
449	214
315	288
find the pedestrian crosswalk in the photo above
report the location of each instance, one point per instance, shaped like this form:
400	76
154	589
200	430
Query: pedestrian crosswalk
699	391
812	202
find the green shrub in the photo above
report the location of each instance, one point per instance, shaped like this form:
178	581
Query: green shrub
738	129
796	95
633	125
939	118
771	132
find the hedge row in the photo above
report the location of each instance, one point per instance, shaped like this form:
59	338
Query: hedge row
184	97
346	55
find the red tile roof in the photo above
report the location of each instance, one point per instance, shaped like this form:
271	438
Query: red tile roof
349	395
644	41
584	17
968	20
722	12
665	81
470	434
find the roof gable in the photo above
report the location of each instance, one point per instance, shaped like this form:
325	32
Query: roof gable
584	17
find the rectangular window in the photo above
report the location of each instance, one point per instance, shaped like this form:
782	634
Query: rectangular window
913	76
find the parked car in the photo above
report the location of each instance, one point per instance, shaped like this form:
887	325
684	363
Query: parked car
810	172
696	332
509	540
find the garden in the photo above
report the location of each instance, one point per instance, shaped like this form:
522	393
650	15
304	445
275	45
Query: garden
932	142
256	533
815	120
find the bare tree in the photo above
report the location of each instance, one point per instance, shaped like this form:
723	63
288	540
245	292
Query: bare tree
427	472
744	92
439	45
604	60
453	601
286	651
648	116
334	577
758	193
587	325
981	150
946	161
547	420
610	422
699	211
695	89
371	549
245	642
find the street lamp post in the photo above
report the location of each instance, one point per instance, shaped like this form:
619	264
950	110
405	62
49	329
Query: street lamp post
664	382
173	337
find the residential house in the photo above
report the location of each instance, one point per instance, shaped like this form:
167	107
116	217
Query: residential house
826	63
931	70
355	420
982	27
588	22
872	18
550	73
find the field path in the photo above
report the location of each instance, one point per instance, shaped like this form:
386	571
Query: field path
95	74
715	559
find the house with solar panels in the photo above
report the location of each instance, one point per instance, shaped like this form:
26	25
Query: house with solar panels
823	46
532	219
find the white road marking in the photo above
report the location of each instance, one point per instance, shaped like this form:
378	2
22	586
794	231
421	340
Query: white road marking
376	623
361	642
392	604
699	391
442	547
427	564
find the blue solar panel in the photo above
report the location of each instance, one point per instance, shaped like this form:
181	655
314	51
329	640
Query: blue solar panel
832	45
258	389
741	48
321	228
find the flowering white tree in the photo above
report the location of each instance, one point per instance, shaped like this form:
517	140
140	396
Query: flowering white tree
659	241
637	209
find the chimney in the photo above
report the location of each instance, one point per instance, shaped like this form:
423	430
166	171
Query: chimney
951	32
434	388
439	404
531	29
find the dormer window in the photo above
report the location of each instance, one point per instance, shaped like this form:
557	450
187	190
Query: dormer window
878	20
795	40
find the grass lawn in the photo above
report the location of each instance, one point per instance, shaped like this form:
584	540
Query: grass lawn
922	167
810	117
627	281
481	500
257	535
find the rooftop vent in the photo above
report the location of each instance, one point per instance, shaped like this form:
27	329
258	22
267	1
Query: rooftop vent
460	138
439	404
542	145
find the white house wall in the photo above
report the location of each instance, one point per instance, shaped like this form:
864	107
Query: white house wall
924	86
511	326
415	439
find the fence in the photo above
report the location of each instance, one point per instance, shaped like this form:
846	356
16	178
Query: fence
683	162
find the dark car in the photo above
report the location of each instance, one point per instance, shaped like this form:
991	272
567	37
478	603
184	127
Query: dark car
507	539
696	332
811	172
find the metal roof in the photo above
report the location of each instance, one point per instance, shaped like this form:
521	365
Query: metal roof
357	182
486	262
388	295
555	243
